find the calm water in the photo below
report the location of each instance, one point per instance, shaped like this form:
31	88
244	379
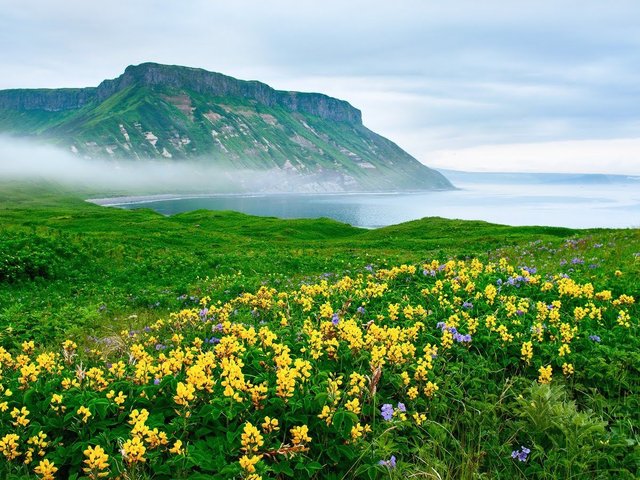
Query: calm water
567	205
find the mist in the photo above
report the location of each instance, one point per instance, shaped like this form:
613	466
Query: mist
25	161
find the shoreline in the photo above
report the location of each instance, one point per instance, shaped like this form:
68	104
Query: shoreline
142	199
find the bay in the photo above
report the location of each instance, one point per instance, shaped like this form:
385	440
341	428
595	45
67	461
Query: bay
509	200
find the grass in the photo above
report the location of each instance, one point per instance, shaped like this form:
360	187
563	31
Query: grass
72	270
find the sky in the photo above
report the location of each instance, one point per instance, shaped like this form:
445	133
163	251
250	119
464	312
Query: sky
546	86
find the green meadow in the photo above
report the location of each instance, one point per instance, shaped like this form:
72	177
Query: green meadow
437	348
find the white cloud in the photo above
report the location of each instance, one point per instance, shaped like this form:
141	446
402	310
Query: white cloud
616	156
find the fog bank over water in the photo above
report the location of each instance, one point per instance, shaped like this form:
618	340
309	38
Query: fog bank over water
26	161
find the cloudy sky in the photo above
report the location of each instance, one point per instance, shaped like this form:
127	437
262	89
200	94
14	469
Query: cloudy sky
476	85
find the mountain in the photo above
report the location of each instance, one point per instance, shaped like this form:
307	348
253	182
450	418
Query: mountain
175	113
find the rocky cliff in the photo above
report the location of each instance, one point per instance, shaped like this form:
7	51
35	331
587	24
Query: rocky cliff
171	112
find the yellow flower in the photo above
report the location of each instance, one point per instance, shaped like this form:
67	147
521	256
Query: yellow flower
56	403
545	374
270	425
9	446
248	462
133	451
28	347
567	369
177	448
120	398
46	469
20	417
184	394
430	389
85	412
251	438
564	350
527	352
358	431
353	406
300	435
96	462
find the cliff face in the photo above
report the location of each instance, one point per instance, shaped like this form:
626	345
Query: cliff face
194	79
170	112
49	100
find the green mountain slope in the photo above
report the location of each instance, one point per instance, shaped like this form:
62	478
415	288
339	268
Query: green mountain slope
175	113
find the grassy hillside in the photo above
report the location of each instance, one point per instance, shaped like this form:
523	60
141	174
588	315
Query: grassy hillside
368	370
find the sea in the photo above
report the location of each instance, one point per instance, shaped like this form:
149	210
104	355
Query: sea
563	200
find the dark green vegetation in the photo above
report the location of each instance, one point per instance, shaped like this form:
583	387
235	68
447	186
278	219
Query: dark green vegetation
168	112
69	269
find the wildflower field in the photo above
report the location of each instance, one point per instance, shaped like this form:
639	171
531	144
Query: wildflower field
437	349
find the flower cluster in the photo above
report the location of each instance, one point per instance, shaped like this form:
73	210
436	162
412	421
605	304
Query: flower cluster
270	376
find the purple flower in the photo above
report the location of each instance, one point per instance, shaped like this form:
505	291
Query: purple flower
391	463
521	454
467	305
402	407
369	268
335	319
387	411
577	261
594	338
519	312
159	346
156	381
361	310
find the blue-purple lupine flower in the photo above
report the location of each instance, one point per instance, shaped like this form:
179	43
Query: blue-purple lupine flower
531	270
429	273
391	463
335	319
458	337
361	310
521	454
467	305
369	268
387	411
160	346
577	261
595	338
156	381
401	407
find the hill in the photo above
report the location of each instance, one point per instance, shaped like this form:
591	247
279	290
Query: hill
155	111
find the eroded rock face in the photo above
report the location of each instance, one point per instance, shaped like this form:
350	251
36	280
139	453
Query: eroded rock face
195	79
